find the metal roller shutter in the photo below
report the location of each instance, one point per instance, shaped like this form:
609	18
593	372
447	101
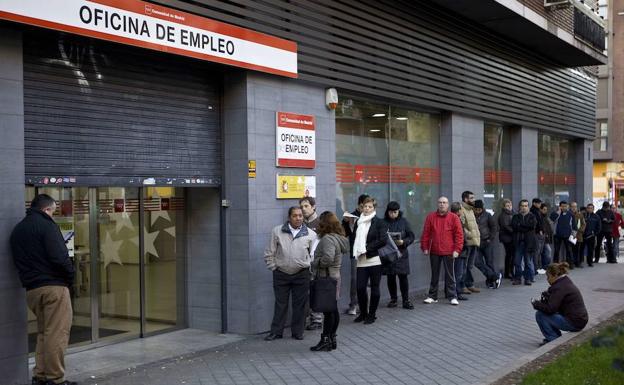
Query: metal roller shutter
97	113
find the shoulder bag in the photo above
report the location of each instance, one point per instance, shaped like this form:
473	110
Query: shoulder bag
323	294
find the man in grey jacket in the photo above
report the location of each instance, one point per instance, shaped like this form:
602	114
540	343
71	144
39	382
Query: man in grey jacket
288	256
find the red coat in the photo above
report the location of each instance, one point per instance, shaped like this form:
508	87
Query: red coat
442	234
617	224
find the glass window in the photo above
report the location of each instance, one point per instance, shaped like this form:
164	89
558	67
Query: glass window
497	165
557	169
389	153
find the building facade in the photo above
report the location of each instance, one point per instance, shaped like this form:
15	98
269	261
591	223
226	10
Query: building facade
168	162
609	144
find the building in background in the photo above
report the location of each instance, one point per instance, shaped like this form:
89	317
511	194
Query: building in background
609	144
168	130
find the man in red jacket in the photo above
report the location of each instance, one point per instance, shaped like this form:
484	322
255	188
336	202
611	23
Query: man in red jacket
617	224
442	239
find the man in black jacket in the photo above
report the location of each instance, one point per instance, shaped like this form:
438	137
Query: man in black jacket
523	224
45	270
592	229
536	205
606	218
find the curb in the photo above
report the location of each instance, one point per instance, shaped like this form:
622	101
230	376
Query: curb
525	359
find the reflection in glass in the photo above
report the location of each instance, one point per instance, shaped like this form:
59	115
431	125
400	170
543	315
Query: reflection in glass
497	166
389	153
164	250
119	285
557	169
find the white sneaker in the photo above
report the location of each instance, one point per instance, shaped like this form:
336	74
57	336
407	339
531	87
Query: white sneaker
454	301
541	271
430	300
499	280
352	310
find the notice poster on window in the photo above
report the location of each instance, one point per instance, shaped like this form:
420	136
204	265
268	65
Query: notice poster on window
296	141
296	186
66	224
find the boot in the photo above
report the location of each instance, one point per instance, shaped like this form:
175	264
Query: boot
334	344
324	344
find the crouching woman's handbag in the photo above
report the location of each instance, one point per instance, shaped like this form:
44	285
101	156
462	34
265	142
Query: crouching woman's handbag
389	253
323	294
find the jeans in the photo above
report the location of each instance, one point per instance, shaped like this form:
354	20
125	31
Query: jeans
509	259
459	265
551	325
482	255
537	263
616	247
569	256
590	245
449	276
609	250
364	274
522	255
546	257
471	252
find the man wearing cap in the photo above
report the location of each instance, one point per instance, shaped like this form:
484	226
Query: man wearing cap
484	258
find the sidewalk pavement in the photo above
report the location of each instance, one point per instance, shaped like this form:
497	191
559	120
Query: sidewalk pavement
432	344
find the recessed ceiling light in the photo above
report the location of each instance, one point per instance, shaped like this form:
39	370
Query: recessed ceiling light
374	130
402	118
378	115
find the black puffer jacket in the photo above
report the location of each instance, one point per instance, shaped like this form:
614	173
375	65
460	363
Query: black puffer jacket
39	252
400	225
524	230
505	234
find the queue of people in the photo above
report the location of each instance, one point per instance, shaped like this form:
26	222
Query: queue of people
457	237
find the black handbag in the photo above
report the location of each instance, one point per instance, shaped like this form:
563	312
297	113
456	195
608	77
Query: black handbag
389	253
323	294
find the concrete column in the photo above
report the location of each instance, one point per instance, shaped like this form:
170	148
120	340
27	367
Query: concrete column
524	163
461	156
13	321
584	154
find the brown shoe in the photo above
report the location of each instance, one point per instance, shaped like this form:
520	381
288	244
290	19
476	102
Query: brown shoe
474	289
465	291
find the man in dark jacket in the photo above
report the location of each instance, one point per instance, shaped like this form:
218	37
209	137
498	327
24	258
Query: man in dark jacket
547	226
47	272
536	205
606	230
505	235
564	226
592	229
524	224
484	258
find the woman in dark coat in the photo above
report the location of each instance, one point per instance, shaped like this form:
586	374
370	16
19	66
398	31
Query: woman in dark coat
371	234
561	307
403	236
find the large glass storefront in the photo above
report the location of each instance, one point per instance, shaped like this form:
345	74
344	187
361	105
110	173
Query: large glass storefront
556	169
390	153
497	166
129	254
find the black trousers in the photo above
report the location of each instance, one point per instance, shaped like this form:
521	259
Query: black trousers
330	323
509	259
609	244
284	285
364	275
569	255
449	276
403	284
577	252
590	245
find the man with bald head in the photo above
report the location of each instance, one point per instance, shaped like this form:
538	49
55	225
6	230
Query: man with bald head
442	240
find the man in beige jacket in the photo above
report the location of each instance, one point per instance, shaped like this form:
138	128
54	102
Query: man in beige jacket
288	256
472	239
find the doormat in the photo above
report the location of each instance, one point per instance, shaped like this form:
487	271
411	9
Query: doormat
77	334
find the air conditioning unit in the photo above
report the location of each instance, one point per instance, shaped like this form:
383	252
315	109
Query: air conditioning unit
557	3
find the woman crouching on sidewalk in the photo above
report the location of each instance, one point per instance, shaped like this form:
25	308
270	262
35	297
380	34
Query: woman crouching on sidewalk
561	307
327	260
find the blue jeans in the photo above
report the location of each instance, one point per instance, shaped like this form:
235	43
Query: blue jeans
460	266
522	255
551	325
546	255
483	262
471	252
